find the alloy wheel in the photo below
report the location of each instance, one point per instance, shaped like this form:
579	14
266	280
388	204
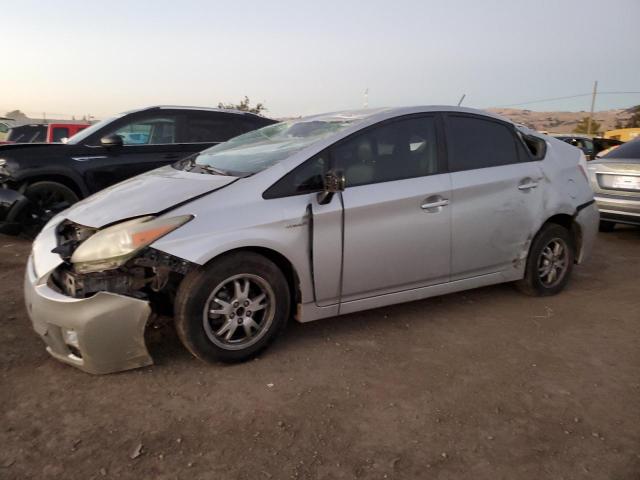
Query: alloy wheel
239	311
553	262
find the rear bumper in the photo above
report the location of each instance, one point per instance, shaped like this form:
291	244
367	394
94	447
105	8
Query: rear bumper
11	203
621	210
100	334
588	218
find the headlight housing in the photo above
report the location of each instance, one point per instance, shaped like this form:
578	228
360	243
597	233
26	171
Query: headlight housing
113	246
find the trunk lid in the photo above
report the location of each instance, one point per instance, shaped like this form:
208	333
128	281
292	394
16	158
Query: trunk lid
619	176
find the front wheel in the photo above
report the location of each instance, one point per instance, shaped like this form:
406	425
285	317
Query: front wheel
46	199
232	309
550	262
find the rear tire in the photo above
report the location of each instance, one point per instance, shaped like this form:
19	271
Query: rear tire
233	308
607	226
46	199
550	262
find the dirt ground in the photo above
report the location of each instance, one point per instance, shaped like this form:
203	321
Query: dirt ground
486	384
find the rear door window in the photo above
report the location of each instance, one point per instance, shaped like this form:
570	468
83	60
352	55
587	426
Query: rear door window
475	142
213	128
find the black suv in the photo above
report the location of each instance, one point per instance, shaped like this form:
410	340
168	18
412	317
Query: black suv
590	146
39	180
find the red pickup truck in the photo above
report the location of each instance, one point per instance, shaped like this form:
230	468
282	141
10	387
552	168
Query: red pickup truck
43	132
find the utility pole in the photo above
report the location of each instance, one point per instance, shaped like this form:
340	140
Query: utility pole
366	98
593	103
461	99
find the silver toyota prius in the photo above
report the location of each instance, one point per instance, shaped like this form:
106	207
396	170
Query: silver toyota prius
308	218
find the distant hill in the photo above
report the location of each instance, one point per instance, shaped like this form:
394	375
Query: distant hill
562	122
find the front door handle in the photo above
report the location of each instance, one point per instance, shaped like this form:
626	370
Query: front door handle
434	202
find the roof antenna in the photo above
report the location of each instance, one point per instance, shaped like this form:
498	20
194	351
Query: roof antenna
461	99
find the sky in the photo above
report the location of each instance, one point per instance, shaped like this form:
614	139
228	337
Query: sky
99	58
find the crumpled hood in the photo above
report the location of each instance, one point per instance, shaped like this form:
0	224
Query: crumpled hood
146	194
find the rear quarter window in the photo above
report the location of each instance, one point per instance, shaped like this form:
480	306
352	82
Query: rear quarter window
535	146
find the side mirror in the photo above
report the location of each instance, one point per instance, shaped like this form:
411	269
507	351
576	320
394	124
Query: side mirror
112	140
334	182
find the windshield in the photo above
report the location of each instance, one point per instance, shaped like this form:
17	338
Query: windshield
83	134
257	150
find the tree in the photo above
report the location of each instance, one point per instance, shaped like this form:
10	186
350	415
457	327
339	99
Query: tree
18	116
245	106
583	125
634	119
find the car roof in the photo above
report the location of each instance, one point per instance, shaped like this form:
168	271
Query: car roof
378	114
571	135
187	107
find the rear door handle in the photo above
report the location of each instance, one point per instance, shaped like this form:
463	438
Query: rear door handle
432	203
528	185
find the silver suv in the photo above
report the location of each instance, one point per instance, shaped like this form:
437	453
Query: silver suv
616	181
308	218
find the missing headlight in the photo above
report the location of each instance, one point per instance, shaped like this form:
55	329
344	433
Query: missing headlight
151	271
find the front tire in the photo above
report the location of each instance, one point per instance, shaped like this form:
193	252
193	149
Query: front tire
233	308
550	262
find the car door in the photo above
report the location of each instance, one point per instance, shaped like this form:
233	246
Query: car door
497	194
396	225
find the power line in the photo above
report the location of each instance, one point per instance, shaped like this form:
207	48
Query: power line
565	98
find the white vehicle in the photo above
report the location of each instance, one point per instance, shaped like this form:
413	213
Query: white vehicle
308	218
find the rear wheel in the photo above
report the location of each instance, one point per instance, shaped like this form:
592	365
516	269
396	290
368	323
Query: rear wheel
550	261
46	199
232	309
606	226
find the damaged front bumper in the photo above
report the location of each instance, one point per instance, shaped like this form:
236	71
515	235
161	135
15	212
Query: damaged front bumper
100	334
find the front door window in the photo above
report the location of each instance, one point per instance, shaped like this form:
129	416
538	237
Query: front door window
151	131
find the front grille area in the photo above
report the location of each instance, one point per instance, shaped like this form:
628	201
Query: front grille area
84	285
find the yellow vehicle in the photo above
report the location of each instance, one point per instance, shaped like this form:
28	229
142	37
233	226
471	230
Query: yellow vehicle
624	134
